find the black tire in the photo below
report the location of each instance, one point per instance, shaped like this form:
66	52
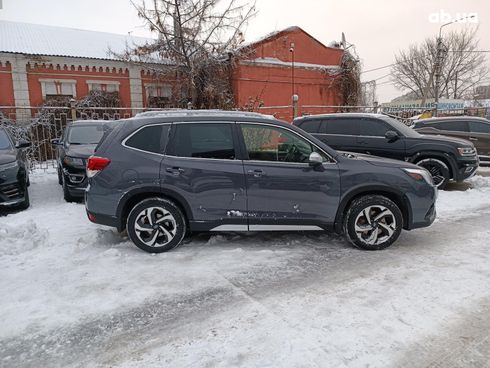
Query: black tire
385	234
439	171
171	222
60	177
66	193
26	203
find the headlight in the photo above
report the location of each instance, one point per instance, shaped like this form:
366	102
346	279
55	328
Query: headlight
10	165
73	161
466	151
419	175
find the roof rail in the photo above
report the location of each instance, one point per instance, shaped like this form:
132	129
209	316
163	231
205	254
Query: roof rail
211	112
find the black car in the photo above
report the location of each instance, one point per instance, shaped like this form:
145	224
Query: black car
445	158
472	128
14	177
77	143
162	175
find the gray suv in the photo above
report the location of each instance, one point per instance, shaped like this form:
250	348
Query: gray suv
162	175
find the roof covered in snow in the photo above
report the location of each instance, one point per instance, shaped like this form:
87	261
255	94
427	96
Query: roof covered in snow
36	39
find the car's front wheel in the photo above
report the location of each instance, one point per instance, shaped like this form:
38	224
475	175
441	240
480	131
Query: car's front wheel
156	225
373	222
438	170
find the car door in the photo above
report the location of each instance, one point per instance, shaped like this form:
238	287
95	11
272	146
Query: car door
480	137
284	191
202	166
372	139
453	128
340	133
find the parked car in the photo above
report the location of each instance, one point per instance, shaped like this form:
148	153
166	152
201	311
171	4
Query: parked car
472	128
14	175
77	143
445	158
162	176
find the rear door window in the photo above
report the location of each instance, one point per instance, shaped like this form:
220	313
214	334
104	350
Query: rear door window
456	126
152	138
373	128
311	126
477	127
340	126
4	140
203	140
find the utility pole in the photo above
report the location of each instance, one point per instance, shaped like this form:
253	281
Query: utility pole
291	50
438	67
439	59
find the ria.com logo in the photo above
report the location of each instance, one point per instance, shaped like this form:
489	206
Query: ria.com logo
444	17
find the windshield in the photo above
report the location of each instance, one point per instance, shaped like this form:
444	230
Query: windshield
402	128
4	140
87	134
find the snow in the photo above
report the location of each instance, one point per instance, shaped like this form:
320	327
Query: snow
37	39
78	294
275	61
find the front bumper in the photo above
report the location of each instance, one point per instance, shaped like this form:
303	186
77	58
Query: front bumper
422	208
12	187
76	180
466	168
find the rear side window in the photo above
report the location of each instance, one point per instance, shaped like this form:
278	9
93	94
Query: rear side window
373	128
477	127
311	126
457	126
4	140
203	140
340	126
151	138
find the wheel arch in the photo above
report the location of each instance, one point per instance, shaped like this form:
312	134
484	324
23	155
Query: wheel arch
394	195
137	195
444	157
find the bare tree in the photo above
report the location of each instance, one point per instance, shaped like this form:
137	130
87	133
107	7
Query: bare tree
462	68
195	38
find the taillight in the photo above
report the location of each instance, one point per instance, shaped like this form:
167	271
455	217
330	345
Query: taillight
96	164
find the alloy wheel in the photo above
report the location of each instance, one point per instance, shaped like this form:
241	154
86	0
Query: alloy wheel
375	225
155	227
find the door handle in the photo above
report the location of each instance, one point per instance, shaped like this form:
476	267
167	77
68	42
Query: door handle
256	173
473	139
175	170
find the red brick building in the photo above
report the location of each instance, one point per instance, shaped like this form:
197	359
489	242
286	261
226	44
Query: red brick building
265	74
40	62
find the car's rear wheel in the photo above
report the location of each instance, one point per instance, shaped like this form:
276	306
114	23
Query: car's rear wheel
373	222
156	225
438	170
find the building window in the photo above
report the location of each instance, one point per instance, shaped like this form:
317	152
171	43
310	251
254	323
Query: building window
54	88
101	85
159	95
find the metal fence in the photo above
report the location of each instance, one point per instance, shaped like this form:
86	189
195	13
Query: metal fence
40	125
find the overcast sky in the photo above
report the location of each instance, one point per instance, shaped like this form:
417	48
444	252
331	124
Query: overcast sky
378	28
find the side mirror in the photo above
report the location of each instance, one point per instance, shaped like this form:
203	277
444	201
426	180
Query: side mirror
22	144
391	136
315	159
56	142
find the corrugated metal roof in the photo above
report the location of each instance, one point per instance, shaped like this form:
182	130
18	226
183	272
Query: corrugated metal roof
36	39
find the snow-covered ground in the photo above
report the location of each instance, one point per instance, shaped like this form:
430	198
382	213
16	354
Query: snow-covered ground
77	294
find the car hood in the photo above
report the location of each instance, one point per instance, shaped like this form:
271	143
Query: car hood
7	156
457	142
81	150
378	161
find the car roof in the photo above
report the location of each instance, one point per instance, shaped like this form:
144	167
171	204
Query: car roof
89	122
343	115
452	118
177	113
